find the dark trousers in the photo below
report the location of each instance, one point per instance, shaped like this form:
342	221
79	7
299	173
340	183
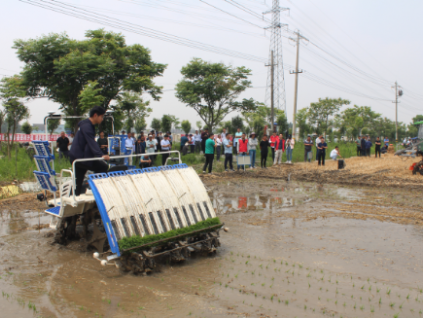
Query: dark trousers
306	155
228	158
197	146
218	152
192	148
321	157
358	151
209	162
64	153
145	165
368	152
263	161
363	152
273	154
152	158
377	150
164	157
81	169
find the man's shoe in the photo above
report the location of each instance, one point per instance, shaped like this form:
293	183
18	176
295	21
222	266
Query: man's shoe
204	172
233	170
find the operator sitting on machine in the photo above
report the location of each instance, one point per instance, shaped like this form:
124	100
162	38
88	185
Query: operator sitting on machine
85	146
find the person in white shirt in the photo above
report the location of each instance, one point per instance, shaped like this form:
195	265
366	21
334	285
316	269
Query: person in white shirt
129	148
334	154
134	141
197	141
318	141
166	146
72	135
218	143
150	147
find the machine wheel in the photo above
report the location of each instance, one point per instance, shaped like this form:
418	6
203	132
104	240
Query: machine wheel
418	168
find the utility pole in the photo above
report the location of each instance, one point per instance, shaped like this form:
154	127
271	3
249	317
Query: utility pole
296	72
397	93
272	109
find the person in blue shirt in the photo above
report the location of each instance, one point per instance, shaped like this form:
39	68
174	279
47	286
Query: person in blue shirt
321	151
227	145
386	142
184	140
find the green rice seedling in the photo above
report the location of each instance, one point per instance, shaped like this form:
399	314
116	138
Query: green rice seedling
396	316
271	286
226	285
412	310
368	279
400	306
391	304
388	291
236	276
336	302
370	299
293	265
320	288
309	285
337	282
309	275
305	307
322	278
408	296
362	308
287	302
352	296
271	298
300	266
267	267
255	294
420	312
362	287
263	284
372	309
353	285
377	289
370	288
337	291
318	297
109	301
330	279
355	306
286	263
264	297
344	304
321	271
380	300
279	300
361	298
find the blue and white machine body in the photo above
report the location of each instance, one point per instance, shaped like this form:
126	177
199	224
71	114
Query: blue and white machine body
149	201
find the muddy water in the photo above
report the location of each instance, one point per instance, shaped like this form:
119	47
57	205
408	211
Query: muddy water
291	251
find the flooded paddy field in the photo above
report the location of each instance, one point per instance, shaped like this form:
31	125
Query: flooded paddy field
292	250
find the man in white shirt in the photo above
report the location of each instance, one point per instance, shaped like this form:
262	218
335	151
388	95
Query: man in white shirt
72	135
129	147
134	141
334	154
150	147
318	141
166	146
197	141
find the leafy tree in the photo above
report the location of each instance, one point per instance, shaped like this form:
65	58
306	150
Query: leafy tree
282	123
186	126
320	112
140	124
199	124
156	124
175	122
52	125
26	128
133	106
258	126
302	122
14	111
166	123
62	69
211	89
412	129
237	122
352	120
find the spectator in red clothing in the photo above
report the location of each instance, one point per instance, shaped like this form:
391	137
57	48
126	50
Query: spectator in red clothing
279	149
242	147
272	142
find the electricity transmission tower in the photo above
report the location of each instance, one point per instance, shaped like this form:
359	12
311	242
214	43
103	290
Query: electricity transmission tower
279	100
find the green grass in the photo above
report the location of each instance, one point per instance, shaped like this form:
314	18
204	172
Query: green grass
133	241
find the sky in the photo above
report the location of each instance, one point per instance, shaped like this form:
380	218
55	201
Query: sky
354	49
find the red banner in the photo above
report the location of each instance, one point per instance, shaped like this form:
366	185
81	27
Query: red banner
28	138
